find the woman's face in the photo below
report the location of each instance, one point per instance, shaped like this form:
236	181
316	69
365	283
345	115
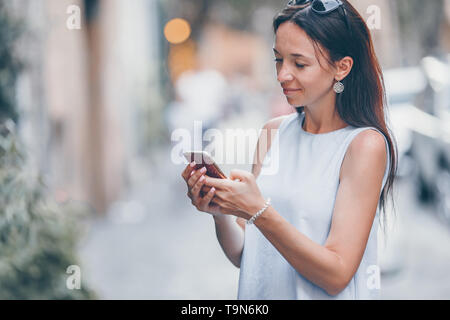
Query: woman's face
298	67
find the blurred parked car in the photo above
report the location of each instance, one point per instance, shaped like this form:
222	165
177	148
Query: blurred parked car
431	137
401	95
403	85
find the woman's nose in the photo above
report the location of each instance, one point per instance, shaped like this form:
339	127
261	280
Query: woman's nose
284	75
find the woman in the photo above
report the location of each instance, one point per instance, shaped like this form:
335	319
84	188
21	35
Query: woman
317	239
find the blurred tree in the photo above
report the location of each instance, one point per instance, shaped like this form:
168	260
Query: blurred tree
9	66
37	238
91	10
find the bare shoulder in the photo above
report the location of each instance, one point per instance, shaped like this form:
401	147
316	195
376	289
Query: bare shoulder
369	144
369	140
367	152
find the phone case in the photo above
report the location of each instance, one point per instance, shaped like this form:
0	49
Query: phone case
212	169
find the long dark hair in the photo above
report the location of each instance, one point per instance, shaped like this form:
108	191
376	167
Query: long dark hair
364	101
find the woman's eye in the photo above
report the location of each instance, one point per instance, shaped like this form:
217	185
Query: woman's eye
301	66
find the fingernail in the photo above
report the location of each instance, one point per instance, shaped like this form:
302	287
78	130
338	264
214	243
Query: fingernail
192	172
202	178
203	170
193	164
212	189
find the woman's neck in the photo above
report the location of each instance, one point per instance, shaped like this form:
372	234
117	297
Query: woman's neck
322	117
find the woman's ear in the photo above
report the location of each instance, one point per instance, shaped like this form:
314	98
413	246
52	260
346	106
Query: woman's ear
343	68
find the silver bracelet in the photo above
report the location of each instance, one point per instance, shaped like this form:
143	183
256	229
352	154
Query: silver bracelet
252	219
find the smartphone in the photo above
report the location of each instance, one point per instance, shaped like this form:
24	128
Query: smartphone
204	159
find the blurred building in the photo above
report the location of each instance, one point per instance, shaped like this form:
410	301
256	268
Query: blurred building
92	100
87	94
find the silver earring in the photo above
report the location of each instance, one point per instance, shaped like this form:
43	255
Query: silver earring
338	87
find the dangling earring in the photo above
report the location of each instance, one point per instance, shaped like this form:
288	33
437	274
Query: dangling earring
338	87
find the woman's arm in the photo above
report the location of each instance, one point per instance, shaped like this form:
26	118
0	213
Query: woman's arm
230	233
230	237
331	266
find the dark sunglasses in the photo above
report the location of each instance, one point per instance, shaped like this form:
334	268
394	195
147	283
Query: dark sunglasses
324	7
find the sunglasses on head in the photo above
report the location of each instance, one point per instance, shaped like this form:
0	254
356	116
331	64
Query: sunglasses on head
322	7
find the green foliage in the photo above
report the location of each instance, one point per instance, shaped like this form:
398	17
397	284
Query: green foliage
37	237
9	66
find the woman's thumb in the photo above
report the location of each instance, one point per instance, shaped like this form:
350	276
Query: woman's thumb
237	174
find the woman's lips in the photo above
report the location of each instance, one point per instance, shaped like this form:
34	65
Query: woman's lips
290	92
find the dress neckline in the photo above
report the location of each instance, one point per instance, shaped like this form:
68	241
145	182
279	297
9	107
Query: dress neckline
302	120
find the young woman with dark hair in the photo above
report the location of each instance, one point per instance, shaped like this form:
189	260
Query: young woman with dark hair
317	239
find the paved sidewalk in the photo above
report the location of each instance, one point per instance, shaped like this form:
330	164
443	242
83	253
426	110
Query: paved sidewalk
162	248
168	250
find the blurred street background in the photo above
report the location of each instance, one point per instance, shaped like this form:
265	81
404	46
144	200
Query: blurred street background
93	95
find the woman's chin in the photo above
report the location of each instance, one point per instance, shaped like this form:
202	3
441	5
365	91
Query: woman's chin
293	101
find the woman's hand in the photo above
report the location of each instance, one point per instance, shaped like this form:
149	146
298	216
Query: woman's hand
195	180
240	198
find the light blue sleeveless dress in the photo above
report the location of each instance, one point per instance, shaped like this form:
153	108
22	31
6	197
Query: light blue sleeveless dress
303	190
